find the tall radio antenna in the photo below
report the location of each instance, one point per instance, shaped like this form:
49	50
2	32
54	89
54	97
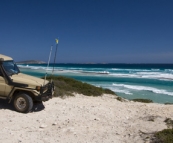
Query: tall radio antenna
48	64
56	40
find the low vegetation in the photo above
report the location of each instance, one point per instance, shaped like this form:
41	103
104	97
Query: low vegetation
169	123
168	103
67	87
166	135
119	99
143	100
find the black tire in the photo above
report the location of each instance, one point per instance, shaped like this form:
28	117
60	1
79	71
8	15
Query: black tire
23	103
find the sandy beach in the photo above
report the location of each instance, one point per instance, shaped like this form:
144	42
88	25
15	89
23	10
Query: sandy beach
83	119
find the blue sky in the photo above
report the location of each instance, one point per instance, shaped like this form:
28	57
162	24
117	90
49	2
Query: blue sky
89	31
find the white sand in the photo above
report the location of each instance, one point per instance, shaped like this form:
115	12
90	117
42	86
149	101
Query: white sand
83	119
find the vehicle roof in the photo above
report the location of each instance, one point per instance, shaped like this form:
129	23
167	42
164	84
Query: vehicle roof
6	58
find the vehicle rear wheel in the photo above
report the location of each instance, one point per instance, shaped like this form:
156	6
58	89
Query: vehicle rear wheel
23	103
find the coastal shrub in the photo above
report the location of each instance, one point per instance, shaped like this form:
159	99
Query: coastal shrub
119	99
143	100
164	136
68	86
168	103
108	91
169	122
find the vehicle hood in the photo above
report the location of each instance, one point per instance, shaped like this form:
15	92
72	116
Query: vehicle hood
31	81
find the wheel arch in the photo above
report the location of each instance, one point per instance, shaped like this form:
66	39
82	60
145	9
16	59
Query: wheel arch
19	91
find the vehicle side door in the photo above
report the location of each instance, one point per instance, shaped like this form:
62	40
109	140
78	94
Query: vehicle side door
5	89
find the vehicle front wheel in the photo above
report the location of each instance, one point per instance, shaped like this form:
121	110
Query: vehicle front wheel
23	103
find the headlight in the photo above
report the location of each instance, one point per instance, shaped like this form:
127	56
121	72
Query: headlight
38	88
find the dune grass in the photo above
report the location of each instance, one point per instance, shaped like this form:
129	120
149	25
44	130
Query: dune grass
65	86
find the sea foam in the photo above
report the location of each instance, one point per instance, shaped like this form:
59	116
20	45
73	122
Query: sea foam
144	88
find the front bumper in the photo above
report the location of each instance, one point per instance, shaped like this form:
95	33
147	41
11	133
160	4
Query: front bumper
46	92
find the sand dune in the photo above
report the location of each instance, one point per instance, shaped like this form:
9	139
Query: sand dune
83	119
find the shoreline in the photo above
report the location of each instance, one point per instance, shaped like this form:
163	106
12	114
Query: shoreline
127	81
85	119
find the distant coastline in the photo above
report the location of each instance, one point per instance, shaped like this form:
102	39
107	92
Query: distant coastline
31	62
42	62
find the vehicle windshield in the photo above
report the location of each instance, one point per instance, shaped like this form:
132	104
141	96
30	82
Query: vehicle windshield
10	67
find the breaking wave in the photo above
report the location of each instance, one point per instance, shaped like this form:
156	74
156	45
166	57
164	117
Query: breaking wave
144	88
166	74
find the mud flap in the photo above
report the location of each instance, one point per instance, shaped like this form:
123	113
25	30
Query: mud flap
38	106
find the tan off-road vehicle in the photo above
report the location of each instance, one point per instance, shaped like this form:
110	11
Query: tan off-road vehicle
23	90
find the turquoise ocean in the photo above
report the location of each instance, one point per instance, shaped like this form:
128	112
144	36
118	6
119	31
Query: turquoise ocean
149	81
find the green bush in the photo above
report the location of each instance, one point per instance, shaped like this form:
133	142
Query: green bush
168	103
143	100
169	122
164	136
68	86
119	99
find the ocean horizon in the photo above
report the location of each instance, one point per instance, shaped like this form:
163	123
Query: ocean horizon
131	81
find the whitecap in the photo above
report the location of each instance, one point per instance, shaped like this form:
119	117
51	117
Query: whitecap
121	91
144	88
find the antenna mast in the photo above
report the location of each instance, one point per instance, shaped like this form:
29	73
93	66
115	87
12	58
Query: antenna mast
55	56
48	64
